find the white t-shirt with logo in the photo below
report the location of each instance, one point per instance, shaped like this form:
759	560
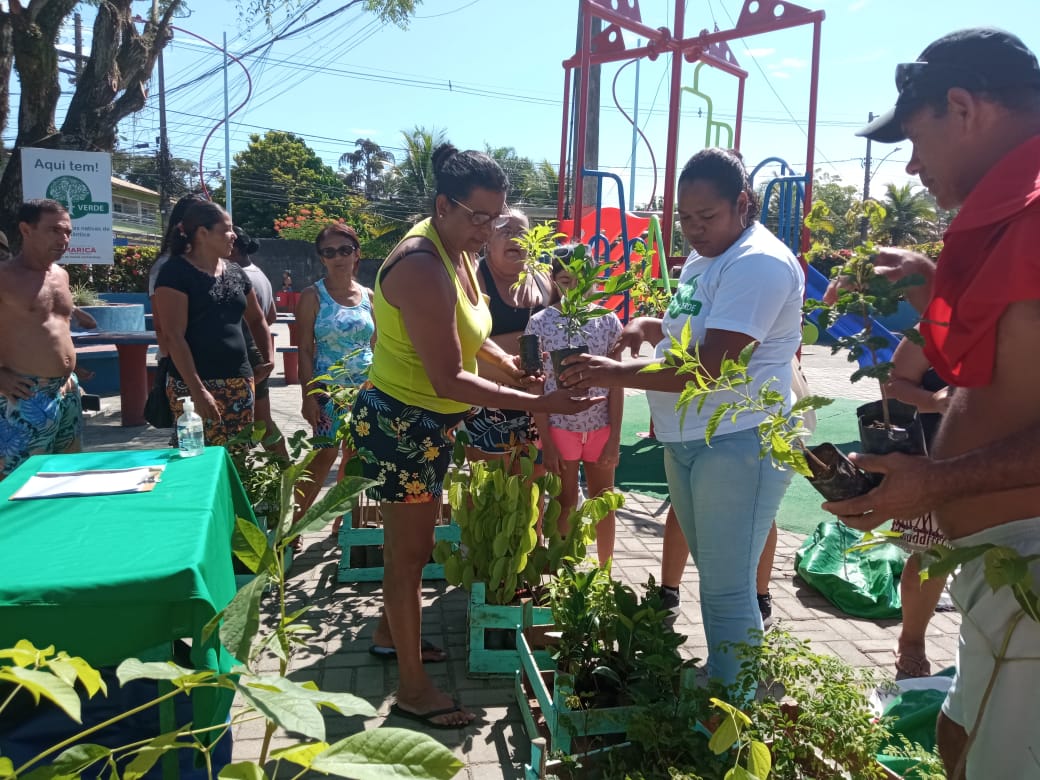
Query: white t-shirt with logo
755	287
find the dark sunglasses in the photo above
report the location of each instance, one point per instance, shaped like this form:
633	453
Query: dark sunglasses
346	250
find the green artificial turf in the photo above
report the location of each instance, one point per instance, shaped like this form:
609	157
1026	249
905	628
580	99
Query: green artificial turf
641	467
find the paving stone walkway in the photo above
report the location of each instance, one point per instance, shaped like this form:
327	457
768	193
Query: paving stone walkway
496	746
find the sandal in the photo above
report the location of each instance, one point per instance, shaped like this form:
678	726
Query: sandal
427	718
913	664
431	654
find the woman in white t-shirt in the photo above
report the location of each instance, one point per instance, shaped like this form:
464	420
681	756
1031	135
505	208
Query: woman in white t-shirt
739	285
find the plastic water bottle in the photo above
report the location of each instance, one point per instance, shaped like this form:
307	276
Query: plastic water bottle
189	431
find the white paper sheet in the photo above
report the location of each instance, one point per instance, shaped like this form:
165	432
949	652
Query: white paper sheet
55	484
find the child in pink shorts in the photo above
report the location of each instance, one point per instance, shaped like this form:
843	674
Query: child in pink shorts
591	438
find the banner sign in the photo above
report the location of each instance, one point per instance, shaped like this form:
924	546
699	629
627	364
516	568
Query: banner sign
82	183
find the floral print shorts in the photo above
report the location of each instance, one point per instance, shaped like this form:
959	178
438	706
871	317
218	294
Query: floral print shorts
50	420
498	431
234	397
405	447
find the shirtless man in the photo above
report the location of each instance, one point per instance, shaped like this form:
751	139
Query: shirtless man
970	105
40	409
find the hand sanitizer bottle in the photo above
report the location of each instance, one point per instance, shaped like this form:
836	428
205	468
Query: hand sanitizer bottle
189	431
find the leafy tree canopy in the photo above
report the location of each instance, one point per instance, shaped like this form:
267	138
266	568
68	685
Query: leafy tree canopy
276	170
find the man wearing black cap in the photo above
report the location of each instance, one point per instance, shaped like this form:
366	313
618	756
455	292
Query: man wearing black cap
970	105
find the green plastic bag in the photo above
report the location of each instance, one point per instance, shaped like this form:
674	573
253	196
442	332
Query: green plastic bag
863	583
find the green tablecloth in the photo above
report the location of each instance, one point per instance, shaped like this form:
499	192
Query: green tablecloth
107	577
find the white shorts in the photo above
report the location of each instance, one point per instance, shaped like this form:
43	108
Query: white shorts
1008	742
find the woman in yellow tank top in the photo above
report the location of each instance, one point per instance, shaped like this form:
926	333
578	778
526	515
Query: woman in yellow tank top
433	323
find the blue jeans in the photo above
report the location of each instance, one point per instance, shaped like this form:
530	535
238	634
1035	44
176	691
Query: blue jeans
726	499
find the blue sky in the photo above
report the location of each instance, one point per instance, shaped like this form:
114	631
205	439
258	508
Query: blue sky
489	71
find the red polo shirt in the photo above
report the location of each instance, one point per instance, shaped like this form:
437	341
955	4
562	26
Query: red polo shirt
990	259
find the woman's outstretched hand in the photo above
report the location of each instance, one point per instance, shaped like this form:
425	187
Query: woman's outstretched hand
584	371
564	401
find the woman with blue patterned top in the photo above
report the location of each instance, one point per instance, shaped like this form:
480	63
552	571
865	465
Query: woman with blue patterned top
335	323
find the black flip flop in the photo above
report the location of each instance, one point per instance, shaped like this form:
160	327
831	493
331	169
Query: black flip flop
426	718
390	653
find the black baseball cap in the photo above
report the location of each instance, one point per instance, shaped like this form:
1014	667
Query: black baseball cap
978	59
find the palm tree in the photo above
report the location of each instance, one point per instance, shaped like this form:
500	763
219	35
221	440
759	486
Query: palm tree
368	165
530	183
413	176
909	216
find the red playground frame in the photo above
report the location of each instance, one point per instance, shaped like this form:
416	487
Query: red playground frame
756	17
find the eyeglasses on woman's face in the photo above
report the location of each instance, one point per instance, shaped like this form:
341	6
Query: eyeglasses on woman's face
346	250
481	218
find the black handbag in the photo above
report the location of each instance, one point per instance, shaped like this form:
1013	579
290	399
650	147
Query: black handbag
157	408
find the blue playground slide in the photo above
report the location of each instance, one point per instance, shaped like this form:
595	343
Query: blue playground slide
789	189
850	324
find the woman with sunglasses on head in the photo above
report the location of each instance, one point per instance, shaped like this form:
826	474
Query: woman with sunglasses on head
433	324
334	320
495	433
740	285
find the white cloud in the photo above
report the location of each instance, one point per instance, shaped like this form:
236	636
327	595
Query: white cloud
779	74
792	62
857	5
757	53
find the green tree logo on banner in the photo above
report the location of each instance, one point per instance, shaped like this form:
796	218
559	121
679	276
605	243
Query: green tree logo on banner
75	195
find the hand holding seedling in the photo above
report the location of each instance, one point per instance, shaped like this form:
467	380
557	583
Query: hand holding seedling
905	492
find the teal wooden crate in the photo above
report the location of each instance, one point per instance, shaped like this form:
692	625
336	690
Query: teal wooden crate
356	540
546	714
490	661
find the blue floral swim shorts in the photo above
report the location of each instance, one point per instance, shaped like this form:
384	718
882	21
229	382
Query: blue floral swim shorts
49	421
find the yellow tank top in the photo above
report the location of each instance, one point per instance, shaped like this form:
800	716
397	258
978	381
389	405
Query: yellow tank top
396	368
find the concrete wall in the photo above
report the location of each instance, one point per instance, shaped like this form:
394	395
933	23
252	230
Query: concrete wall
276	255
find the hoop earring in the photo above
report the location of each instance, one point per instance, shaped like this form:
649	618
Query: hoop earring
743	221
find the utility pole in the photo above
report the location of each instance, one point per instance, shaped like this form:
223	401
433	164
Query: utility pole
592	128
864	223
635	137
227	136
591	160
78	27
163	140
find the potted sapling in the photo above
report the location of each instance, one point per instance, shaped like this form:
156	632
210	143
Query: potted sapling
538	242
781	430
595	283
887	425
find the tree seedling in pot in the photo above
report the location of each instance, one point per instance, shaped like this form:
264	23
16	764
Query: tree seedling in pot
887	425
781	430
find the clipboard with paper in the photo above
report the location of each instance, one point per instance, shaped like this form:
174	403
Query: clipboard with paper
90	482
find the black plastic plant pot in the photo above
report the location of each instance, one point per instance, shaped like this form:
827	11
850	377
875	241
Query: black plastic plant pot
904	434
530	354
835	477
559	355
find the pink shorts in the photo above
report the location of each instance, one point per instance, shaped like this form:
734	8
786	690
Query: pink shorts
576	445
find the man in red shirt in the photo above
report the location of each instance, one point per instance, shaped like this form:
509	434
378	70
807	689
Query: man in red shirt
970	105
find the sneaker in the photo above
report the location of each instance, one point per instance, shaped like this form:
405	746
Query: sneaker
670	601
765	606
